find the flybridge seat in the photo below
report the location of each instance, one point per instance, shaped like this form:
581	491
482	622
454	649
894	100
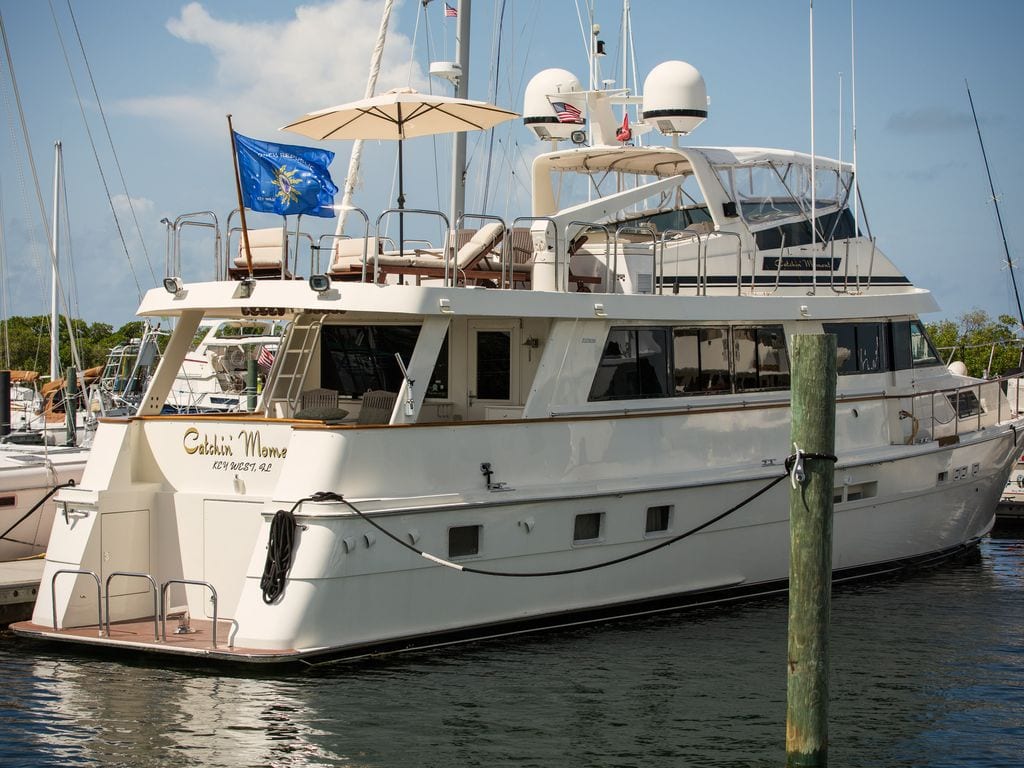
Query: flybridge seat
269	249
477	259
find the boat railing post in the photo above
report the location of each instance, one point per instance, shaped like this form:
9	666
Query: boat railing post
674	233
203	220
448	262
136	575
644	229
195	583
99	601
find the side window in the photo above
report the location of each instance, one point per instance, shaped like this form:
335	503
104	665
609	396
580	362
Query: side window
921	349
760	359
870	348
860	347
634	364
714	360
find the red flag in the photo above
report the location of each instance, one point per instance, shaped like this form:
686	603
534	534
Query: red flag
623	134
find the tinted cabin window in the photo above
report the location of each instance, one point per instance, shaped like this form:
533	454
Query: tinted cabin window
657	518
357	358
587	527
464	541
876	347
634	364
860	347
831	226
759	358
493	365
921	349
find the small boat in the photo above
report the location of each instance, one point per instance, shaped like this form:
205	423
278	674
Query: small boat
577	414
29	477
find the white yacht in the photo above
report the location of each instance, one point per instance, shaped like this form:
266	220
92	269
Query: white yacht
577	414
29	478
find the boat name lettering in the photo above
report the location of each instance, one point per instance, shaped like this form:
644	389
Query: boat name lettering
216	445
263	311
253	442
588	340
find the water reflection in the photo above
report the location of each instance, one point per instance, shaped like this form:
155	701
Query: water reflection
927	670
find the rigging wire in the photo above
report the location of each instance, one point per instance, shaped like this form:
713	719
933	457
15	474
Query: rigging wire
39	195
96	157
5	340
16	147
110	140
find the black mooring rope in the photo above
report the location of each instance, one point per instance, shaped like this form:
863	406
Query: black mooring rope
38	504
331	496
282	532
280	547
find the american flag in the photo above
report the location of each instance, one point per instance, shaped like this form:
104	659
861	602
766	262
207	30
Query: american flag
450	11
567	113
266	358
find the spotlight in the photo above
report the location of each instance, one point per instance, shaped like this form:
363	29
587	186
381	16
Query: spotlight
173	285
320	283
245	286
578	137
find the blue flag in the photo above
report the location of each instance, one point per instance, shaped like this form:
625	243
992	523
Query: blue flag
285	179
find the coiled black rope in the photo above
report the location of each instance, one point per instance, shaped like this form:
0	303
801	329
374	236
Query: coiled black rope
321	496
280	548
38	504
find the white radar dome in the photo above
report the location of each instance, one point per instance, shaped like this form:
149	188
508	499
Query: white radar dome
553	104
957	368
675	98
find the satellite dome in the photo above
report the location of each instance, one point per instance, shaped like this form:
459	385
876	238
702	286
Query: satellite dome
675	98
553	104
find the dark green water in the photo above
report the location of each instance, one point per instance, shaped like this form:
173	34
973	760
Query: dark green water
927	670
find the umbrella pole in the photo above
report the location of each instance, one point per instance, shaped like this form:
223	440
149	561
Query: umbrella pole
401	204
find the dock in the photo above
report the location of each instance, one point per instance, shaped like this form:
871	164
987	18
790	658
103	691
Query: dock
19	584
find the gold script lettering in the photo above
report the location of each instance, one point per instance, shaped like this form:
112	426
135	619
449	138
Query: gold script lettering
191	436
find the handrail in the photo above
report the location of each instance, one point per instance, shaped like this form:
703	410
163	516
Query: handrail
739	257
53	596
134	574
173	266
700	274
647	228
611	273
420	211
318	246
163	602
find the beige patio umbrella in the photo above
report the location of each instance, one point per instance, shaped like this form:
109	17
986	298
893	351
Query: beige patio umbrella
399	114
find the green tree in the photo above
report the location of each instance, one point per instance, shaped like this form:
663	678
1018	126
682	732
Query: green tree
987	347
29	342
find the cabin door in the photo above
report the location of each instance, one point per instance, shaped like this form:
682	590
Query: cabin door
493	382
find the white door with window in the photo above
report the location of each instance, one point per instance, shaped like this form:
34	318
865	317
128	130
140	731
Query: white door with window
493	379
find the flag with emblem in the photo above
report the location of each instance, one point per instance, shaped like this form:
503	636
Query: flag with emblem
284	178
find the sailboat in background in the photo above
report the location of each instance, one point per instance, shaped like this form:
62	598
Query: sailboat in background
32	470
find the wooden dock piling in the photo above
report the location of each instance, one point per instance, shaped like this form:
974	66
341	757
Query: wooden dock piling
810	564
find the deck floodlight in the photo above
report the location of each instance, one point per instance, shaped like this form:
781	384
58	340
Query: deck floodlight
320	283
245	286
173	285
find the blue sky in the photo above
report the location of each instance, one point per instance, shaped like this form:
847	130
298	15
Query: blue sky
167	73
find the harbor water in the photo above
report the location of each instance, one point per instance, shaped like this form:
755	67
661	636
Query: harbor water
927	670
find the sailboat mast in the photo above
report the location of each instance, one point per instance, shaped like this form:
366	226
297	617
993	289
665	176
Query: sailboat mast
462	92
357	145
995	201
55	276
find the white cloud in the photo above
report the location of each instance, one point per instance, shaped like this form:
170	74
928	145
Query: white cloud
269	73
141	205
